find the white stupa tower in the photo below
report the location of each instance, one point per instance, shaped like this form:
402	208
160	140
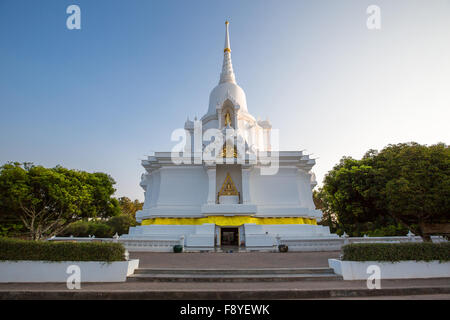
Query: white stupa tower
243	194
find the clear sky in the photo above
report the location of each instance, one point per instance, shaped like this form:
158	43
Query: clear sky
103	97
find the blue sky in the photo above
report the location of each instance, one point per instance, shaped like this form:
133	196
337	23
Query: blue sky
103	97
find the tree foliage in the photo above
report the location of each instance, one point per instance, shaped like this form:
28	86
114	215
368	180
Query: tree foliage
129	207
106	228
100	228
404	186
47	200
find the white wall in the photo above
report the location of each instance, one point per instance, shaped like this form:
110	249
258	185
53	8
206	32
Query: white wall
183	185
152	189
47	271
158	230
175	191
280	189
355	270
304	189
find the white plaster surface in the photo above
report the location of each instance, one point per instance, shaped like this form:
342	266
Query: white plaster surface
228	199
357	270
48	271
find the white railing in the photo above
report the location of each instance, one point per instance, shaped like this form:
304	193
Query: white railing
81	239
132	245
335	244
149	245
299	244
330	244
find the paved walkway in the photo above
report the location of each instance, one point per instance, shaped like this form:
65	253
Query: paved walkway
235	260
299	285
401	289
398	289
416	297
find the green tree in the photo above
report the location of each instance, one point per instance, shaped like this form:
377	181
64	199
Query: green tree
329	217
402	187
121	224
100	228
347	192
414	184
47	200
129	207
106	228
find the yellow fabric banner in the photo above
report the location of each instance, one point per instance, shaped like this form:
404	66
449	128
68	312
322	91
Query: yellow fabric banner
227	221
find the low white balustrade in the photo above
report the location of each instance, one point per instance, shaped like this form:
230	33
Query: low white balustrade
255	242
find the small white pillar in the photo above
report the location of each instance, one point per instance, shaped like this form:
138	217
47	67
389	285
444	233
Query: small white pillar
182	241
278	239
211	171
246	185
345	236
410	236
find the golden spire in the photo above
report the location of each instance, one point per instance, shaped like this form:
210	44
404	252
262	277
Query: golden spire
227	39
227	74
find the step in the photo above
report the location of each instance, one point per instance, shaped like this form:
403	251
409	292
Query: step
218	294
258	271
232	277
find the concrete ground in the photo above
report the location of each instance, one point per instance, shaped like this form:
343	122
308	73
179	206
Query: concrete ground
415	297
206	286
298	285
334	289
235	260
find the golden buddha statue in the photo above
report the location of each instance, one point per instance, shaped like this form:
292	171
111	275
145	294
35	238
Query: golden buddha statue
227	119
228	151
228	187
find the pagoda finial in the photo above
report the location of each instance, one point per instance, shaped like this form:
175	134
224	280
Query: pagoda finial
227	38
227	74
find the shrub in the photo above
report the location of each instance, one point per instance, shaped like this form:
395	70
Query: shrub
12	249
388	231
121	224
88	228
78	229
11	229
100	229
394	252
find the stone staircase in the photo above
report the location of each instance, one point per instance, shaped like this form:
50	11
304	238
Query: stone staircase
233	275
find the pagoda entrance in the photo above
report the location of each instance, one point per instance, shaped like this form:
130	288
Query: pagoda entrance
229	236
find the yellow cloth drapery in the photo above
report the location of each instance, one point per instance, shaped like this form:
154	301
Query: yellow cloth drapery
227	221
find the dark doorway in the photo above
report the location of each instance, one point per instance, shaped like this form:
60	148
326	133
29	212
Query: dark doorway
229	236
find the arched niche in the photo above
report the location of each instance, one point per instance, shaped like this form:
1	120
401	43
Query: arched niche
227	114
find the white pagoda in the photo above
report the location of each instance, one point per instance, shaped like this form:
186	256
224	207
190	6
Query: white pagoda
228	185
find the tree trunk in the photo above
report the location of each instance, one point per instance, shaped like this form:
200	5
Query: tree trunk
426	237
